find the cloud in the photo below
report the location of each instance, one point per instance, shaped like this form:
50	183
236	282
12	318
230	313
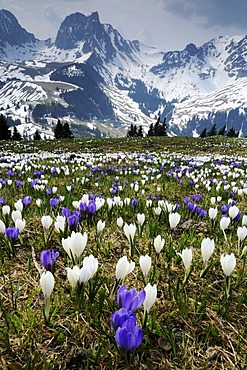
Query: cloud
210	13
51	15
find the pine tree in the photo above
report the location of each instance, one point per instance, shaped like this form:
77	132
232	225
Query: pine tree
16	135
140	131
212	131
157	127
222	131
232	133
36	135
58	131
163	128
67	133
203	133
5	133
151	130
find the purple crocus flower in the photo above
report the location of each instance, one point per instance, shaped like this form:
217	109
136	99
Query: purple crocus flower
66	212
47	258
134	202
54	202
92	207
119	317
12	233
129	336
73	221
83	207
26	200
191	207
130	299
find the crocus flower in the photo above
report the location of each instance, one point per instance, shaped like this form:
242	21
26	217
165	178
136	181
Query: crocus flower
228	263
84	274
120	222
20	224
212	212
2	227
54	202
5	210
233	212
123	268
224	223
159	243
60	223
140	219
100	226
119	317
16	214
145	264
174	219
47	259
186	256
130	299
12	233
75	244
207	249
46	222
130	231
151	295
242	233
92	263
19	205
47	285
129	336
73	275
26	201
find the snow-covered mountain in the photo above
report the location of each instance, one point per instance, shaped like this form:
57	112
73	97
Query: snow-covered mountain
101	83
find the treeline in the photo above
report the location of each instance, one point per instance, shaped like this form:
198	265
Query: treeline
61	131
222	132
157	129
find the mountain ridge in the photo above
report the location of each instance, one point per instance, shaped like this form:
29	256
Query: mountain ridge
119	82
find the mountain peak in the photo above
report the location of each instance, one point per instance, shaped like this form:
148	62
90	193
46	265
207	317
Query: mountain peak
76	27
11	31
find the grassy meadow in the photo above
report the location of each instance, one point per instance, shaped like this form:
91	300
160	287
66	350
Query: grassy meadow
110	199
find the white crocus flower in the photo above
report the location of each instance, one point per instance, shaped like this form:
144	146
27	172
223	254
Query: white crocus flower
120	222
5	210
20	224
228	263
186	256
124	267
233	212
207	249
151	296
174	219
46	222
100	226
73	275
2	227
159	243
145	264
16	215
212	212
47	285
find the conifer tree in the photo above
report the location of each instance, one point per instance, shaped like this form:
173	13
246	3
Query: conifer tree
212	131
16	135
67	133
5	133
203	133
37	135
151	130
58	131
222	131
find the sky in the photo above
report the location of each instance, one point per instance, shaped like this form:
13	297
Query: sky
165	24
